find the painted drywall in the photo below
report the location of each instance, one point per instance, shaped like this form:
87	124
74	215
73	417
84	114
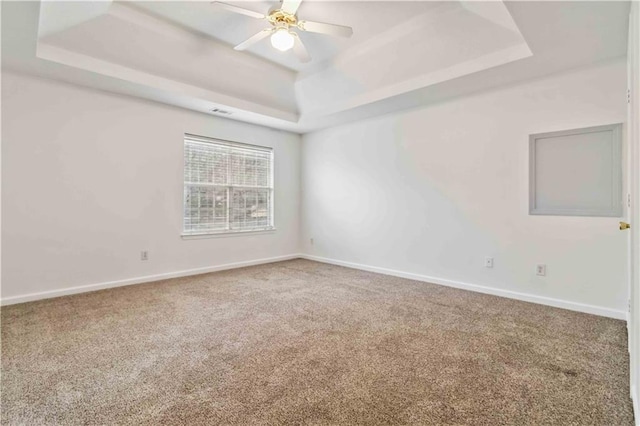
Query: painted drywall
89	179
434	191
470	39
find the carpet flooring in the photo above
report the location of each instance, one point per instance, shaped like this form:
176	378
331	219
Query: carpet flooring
300	342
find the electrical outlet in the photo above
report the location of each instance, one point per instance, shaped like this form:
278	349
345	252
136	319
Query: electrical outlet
311	241
488	262
541	270
144	255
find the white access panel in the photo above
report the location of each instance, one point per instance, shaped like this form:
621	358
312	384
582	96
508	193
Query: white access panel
576	172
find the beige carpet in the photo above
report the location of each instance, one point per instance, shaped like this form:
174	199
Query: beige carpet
300	342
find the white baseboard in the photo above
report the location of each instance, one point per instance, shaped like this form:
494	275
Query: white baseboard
139	280
590	309
558	303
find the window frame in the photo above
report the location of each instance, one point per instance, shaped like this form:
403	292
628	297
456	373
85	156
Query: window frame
229	188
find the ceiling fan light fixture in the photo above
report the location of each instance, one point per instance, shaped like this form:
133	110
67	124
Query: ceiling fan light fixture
283	20
282	39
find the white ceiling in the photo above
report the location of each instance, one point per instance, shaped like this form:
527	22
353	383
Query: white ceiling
367	19
402	54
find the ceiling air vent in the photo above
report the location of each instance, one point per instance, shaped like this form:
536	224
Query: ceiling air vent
221	111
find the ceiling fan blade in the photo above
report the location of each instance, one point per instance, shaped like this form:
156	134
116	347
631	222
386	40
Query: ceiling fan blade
240	10
322	28
290	6
254	39
300	51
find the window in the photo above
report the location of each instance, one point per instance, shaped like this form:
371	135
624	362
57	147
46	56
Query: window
228	187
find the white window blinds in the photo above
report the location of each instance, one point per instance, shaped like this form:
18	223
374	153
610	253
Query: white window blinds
228	187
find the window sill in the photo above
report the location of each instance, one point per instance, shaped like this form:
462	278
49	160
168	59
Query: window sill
227	234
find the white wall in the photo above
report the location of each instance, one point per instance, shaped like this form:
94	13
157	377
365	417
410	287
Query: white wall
89	179
434	191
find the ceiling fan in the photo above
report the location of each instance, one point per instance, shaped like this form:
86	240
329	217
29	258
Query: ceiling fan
283	21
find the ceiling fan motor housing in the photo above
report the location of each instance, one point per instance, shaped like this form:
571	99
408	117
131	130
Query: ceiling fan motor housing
280	18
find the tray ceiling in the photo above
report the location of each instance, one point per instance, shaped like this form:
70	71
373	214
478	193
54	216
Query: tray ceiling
367	18
181	52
